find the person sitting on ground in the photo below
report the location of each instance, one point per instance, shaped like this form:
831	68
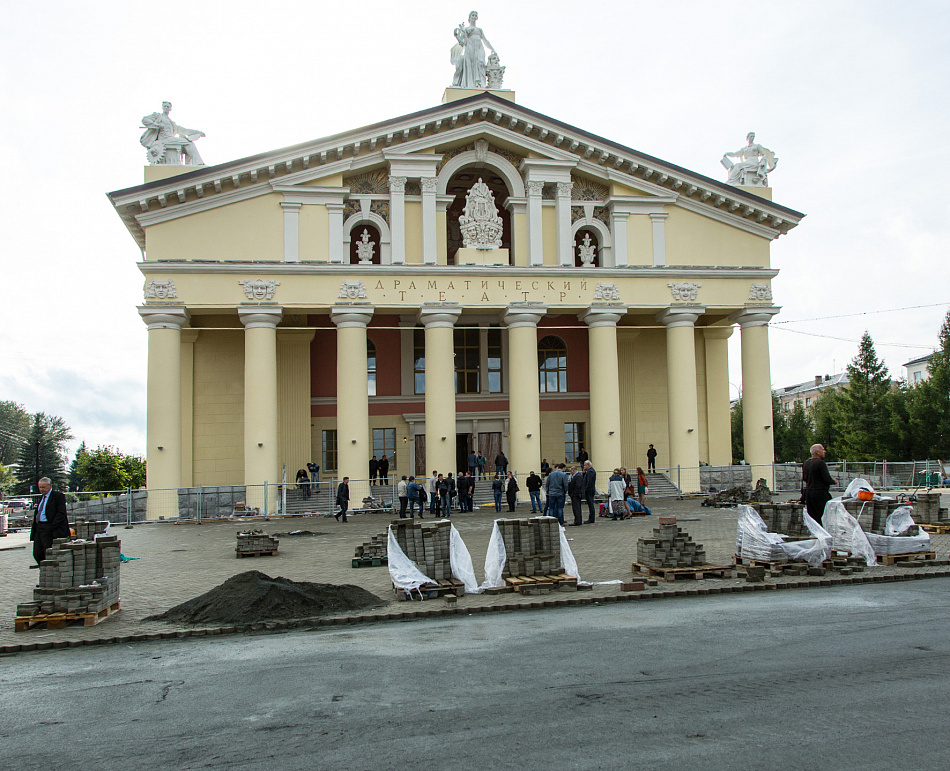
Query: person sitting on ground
303	482
616	487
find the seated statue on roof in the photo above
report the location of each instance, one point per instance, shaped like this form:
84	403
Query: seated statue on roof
754	165
167	143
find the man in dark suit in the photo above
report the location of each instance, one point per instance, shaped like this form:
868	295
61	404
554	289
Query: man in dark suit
343	498
590	488
49	519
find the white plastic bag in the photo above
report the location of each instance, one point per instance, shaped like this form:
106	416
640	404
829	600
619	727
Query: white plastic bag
461	562
855	486
495	559
753	539
403	570
846	533
815	550
567	556
898	521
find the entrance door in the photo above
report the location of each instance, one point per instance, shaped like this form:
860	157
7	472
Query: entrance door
490	445
463	444
420	472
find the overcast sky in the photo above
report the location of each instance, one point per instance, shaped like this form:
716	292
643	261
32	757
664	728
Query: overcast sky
852	97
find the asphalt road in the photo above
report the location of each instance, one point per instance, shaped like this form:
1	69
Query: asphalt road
845	678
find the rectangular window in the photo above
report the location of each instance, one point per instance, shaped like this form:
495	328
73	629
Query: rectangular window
329	451
370	368
573	441
384	443
918	376
808	401
494	361
419	361
467	361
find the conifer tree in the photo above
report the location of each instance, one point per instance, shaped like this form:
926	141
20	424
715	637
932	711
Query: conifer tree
862	418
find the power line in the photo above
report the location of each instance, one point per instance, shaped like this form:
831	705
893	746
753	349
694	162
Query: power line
862	313
852	340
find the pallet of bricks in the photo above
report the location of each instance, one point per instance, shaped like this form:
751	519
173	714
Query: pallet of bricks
784	518
671	553
929	515
427	545
373	553
533	551
255	543
872	516
79	581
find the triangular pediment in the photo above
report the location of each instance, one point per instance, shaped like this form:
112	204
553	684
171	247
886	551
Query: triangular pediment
432	137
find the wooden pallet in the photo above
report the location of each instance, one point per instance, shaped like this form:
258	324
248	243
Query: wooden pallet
432	591
263	553
551	581
914	558
671	574
935	529
61	620
370	562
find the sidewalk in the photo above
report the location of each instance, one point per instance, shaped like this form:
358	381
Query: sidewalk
179	562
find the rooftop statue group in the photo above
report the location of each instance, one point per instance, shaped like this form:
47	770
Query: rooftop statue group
468	57
166	143
754	164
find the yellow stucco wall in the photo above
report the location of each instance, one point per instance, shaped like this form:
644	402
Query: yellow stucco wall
314	233
549	231
334	180
317	427
692	239
219	408
701	401
639	240
293	399
414	232
643	394
552	433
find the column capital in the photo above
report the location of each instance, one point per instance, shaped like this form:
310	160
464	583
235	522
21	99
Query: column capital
163	316
290	206
435	316
680	316
535	188
564	189
754	317
602	315
348	316
523	316
718	333
397	184
429	185
261	317
658	216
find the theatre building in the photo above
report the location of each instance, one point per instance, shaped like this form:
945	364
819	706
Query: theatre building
475	276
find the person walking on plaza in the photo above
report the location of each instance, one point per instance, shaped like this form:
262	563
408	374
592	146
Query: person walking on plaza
314	470
343	498
575	489
462	486
511	491
482	460
557	492
501	463
472	463
442	495
373	470
417	494
590	489
434	493
50	519
453	491
402	493
497	487
816	480
384	470
471	493
641	486
533	485
651	460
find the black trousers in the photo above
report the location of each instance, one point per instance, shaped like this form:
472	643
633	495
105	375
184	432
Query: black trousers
43	539
815	501
590	507
403	503
576	508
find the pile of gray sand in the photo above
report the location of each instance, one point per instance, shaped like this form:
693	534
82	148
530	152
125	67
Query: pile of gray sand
252	596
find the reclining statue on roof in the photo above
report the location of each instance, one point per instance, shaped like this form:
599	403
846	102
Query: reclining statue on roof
166	142
754	165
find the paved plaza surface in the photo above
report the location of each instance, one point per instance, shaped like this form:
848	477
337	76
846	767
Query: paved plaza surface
178	562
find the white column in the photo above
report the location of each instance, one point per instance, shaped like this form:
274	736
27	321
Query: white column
524	405
261	450
291	231
535	229
618	229
429	234
336	233
352	395
397	218
565	240
439	322
682	402
604	437
659	238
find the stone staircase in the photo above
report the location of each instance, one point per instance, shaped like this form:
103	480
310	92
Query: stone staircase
661	486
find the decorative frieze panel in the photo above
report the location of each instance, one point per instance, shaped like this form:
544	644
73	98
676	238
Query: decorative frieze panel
413	187
160	290
380	209
601	213
368	183
606	291
577	213
587	190
449	154
350	208
513	158
684	292
760	292
259	289
353	290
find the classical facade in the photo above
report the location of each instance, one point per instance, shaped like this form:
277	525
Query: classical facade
475	276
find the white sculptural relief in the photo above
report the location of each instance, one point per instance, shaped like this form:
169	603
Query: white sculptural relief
754	164
587	251
468	55
365	248
494	72
160	289
353	290
760	292
259	290
480	224
166	142
606	291
685	291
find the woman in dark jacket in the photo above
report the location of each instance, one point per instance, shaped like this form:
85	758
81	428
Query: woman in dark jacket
511	491
497	485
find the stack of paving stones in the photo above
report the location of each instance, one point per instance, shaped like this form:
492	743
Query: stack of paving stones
533	546
427	546
372	504
77	577
375	548
670	547
87	530
255	541
927	509
784	518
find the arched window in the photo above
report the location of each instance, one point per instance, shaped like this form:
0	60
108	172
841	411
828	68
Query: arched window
552	365
587	244
364	238
370	368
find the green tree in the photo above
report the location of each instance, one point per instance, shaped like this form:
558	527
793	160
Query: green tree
14	428
928	404
825	420
863	420
7	481
791	445
738	443
134	466
76	482
102	469
43	452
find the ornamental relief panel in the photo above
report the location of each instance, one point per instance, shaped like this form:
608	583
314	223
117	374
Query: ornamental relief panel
601	213
350	208
380	209
606	291
160	289
587	190
259	290
368	183
760	292
684	292
353	290
577	213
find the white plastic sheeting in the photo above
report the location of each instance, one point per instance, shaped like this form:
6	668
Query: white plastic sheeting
855	486
846	534
891	543
403	570
461	562
754	541
496	557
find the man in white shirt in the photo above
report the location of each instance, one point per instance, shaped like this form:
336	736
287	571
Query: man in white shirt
49	519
